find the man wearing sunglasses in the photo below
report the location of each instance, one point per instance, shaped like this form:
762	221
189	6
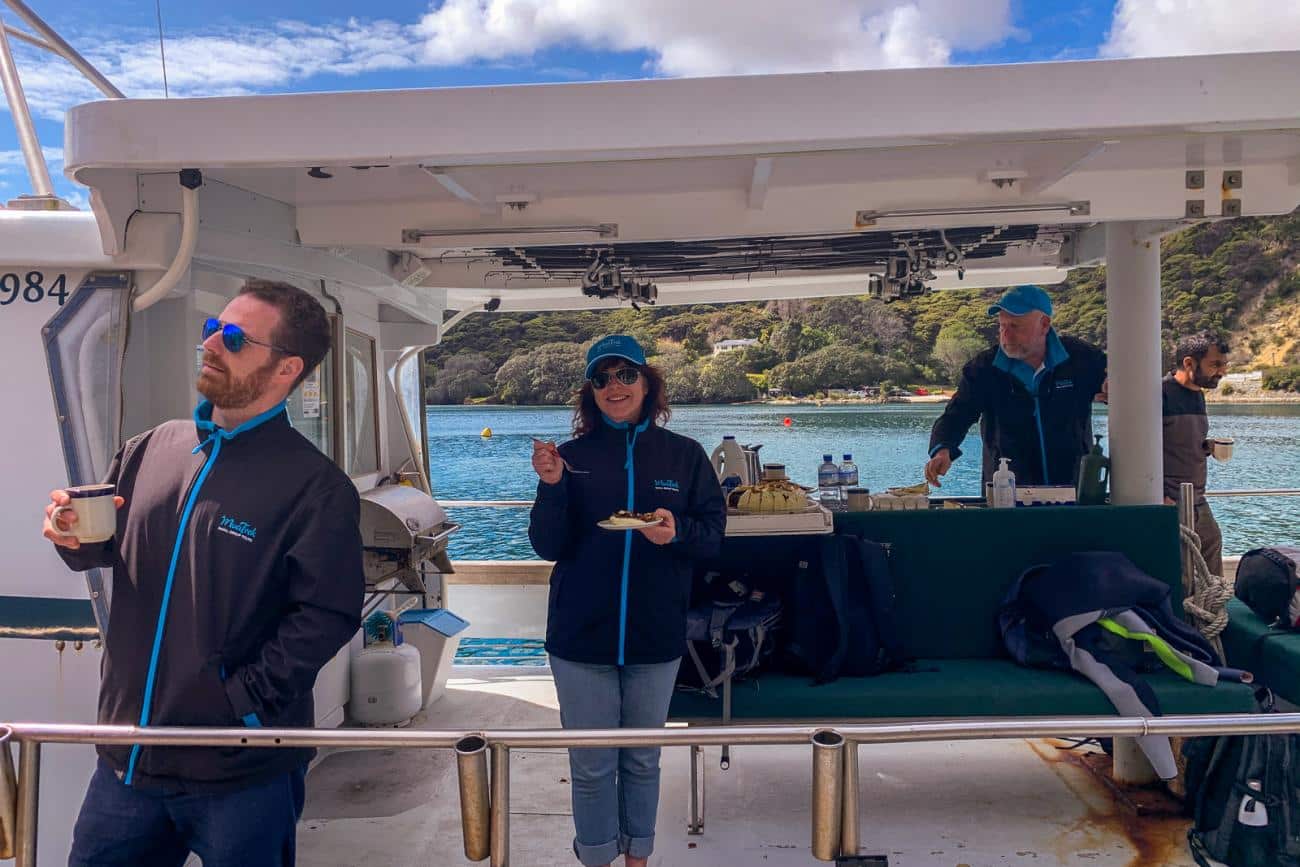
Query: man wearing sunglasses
236	576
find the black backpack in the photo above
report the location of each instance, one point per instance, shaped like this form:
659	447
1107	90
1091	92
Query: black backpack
1266	581
1245	797
730	633
841	607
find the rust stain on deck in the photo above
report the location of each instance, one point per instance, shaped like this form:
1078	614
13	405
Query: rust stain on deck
1156	835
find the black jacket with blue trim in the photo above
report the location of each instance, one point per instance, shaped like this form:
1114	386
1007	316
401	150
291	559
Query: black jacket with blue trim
615	597
267	587
1009	402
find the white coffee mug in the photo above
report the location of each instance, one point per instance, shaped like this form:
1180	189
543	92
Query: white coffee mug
95	510
1221	448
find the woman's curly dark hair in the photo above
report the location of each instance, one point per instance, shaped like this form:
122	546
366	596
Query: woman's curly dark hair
586	415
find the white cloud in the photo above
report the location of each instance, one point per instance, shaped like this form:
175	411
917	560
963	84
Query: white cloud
1153	28
717	37
680	37
219	64
12	161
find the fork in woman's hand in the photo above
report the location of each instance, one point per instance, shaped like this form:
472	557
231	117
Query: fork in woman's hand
552	447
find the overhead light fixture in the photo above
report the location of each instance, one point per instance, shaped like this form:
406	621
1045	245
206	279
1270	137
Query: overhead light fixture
1074	209
603	230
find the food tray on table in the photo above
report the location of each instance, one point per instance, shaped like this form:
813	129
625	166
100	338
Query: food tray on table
814	520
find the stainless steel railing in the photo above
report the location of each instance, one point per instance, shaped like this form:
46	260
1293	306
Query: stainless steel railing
527	504
834	828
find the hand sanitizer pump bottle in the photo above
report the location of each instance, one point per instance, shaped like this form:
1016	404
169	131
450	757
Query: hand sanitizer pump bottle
1004	486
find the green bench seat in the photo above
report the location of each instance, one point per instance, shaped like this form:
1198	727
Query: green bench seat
949	688
951	570
1272	655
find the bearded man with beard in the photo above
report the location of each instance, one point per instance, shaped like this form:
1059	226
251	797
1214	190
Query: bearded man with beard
237	575
1032	394
1200	361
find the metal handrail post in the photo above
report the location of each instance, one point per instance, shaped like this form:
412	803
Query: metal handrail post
827	793
500	810
849	839
29	785
64	50
475	806
1187	518
22	115
8	797
695	823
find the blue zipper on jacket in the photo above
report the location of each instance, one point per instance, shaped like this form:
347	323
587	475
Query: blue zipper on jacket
1042	441
633	433
216	436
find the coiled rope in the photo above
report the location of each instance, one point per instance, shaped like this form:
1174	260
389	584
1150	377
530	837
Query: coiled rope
1207	602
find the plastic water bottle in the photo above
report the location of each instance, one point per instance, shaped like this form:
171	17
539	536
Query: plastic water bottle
1004	486
828	480
848	476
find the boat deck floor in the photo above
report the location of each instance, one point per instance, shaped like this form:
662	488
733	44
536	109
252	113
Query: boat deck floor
967	803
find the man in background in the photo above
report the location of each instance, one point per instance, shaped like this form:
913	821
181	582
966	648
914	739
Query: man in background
1032	394
1200	361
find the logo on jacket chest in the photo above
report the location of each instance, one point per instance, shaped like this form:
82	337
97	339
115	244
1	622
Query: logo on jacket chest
669	485
237	528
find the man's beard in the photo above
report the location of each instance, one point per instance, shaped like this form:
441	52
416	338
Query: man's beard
227	392
1013	350
1203	380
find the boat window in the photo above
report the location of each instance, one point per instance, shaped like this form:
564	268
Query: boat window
361	439
310	407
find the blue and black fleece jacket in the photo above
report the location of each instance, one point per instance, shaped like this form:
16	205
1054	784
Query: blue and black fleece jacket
237	575
1041	420
616	598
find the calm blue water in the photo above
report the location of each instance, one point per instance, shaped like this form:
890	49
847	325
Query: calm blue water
888	443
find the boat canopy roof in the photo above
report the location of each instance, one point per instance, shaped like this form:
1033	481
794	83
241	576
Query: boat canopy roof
712	189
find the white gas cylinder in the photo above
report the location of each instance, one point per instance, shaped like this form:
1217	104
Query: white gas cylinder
386	685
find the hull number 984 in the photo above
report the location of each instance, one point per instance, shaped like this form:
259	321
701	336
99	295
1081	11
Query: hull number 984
32	287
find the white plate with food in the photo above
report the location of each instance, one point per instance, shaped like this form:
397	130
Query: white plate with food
622	520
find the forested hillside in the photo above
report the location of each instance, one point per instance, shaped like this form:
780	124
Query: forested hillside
1241	277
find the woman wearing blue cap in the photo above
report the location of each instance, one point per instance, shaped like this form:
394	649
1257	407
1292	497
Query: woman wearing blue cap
616	617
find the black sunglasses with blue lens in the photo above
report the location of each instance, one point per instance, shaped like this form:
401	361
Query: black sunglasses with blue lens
234	338
625	375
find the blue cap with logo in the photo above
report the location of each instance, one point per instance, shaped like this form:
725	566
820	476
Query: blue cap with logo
614	346
1021	300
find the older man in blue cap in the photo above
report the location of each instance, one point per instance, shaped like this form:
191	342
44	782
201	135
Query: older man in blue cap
1032	395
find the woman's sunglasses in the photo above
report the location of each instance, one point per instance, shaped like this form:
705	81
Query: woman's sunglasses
625	375
234	338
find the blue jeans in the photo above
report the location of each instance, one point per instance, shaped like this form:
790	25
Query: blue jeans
615	792
122	826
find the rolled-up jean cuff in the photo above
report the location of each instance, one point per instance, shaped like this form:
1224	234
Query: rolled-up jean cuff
637	847
597	855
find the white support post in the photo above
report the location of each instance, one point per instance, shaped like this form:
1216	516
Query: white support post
1133	349
1133	352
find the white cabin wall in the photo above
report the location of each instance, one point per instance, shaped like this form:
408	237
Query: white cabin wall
31	462
160	370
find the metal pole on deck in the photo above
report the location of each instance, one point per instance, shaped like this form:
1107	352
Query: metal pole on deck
1187	518
827	793
849	842
475	807
8	797
29	782
500	809
1133	352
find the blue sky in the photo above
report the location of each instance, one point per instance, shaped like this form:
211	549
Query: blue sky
219	47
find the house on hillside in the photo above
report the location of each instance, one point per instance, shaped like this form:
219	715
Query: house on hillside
731	345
